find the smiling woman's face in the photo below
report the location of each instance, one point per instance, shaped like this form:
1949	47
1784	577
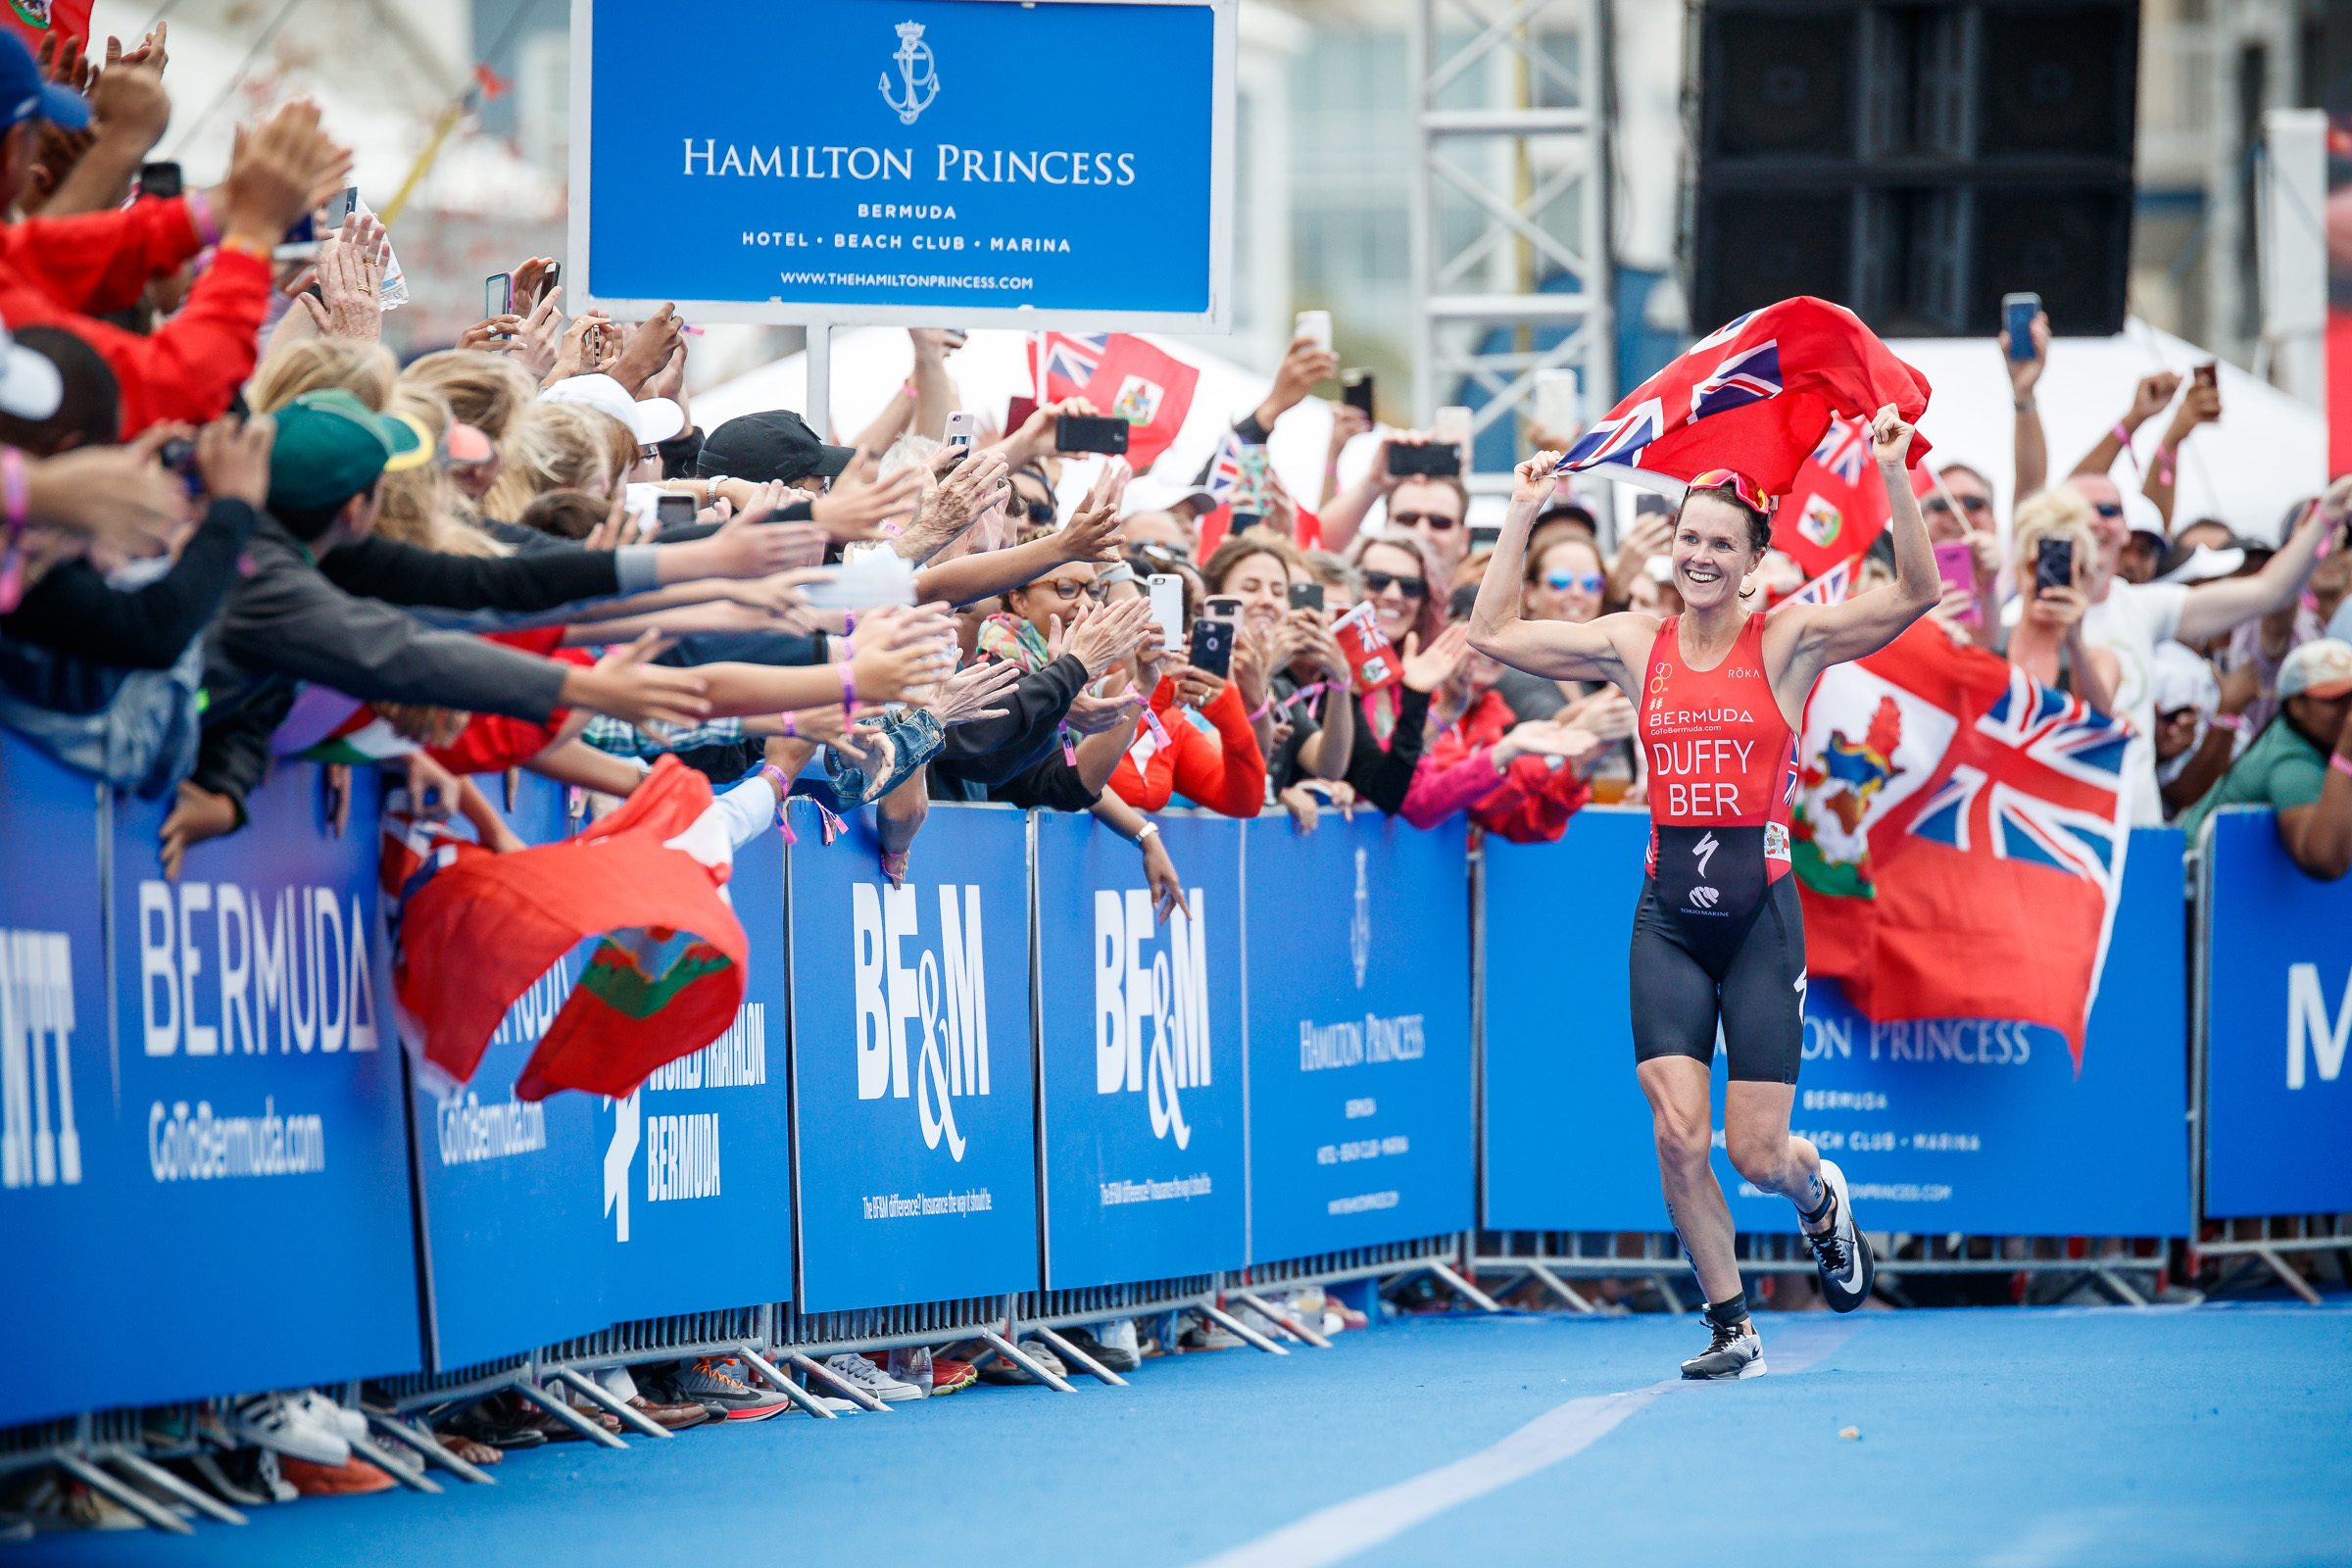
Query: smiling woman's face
1397	600
1262	583
1712	552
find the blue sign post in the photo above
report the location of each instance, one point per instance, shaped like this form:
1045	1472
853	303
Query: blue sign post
1359	1034
913	1142
2278	1007
240	1094
1976	1125
1140	1054
890	167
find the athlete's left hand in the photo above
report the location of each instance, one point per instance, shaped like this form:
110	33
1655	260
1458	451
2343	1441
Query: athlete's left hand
1533	479
1890	436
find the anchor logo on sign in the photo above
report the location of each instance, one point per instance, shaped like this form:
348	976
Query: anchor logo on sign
914	66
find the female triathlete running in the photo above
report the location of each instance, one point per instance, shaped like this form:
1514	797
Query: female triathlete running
1718	934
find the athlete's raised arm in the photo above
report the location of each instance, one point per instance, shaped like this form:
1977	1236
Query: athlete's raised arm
1812	637
1558	649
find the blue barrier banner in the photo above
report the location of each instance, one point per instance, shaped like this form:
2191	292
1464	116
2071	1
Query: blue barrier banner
247	1101
899	174
914	1149
1940	1125
1359	1033
2277	1101
515	1207
1140	1054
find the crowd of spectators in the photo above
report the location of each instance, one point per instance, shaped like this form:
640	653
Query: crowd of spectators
237	530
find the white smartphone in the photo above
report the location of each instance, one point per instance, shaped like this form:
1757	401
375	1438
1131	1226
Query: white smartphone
1452	426
961	427
1558	407
1167	606
1315	325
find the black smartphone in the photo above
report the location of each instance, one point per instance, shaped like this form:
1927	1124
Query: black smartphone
2054	565
180	456
1306	596
1211	652
548	281
1086	433
1355	390
1436	458
2017	319
673	511
159	179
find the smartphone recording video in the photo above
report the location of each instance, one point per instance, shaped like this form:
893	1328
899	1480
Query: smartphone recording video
1086	433
1211	651
1306	596
961	428
2054	565
673	511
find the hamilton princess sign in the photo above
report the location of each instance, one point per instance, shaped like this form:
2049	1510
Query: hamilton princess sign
911	155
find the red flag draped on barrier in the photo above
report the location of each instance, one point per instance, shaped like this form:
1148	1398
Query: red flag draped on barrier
1757	395
1959	837
478	929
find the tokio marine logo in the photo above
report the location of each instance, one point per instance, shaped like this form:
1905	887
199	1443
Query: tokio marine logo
916	68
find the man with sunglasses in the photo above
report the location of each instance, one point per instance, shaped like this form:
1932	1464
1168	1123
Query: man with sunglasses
1431	508
2130	619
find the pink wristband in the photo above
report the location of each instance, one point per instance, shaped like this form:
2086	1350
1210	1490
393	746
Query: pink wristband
849	621
16	510
2230	722
791	729
200	214
2341	763
849	689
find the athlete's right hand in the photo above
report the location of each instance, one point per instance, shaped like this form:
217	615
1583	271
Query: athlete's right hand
1533	480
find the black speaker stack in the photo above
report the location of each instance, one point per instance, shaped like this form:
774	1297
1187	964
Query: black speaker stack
1916	161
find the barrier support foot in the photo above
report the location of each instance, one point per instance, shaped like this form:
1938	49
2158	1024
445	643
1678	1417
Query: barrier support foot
1289	1321
1025	1361
1674	1303
2122	1291
163	1480
1234	1325
627	1413
382	1459
1560	1288
849	1390
2287	1275
563	1411
129	1496
1463	1287
1074	1356
430	1448
792	1390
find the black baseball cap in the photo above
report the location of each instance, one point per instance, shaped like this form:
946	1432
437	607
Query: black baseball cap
776	444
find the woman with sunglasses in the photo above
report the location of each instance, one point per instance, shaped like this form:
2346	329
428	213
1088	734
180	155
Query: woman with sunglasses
1391	722
1717	935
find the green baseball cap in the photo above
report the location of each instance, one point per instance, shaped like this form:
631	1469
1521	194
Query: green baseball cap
330	447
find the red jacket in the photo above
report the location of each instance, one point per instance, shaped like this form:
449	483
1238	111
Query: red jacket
65	271
1528	802
1227	775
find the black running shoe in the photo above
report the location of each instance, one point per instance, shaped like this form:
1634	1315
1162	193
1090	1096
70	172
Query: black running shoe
1842	1251
1736	1352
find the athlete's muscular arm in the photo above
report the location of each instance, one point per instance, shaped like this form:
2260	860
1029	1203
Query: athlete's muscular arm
1596	649
1800	641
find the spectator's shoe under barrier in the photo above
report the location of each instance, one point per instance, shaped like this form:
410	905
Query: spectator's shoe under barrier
854	1368
1736	1352
1842	1251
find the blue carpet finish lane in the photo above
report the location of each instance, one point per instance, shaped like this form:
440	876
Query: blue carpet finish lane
1991	1435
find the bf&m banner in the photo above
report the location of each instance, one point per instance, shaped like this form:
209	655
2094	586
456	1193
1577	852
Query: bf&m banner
1949	1124
914	1140
1140	1054
245	1101
2278	998
899	168
1359	1033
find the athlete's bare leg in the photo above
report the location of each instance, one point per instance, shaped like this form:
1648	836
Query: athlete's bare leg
1755	1133
1679	1108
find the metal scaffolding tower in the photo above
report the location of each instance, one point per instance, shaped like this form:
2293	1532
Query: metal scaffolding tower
1510	207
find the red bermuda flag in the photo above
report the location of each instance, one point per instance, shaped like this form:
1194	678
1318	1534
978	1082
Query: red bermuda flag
1757	395
36	21
1069	363
1959	837
1150	390
1838	504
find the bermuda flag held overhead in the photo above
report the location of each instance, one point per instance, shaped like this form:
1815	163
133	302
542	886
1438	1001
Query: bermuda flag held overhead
1150	390
36	20
1065	362
1837	508
1757	395
1959	837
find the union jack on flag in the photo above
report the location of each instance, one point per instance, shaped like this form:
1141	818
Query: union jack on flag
1069	362
1748	376
1829	588
1225	468
1844	450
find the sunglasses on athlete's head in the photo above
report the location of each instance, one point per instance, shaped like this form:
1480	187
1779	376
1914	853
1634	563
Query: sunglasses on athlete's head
1380	582
1742	488
1436	520
1560	582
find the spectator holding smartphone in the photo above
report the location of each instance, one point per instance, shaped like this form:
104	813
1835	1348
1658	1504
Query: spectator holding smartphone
2055	551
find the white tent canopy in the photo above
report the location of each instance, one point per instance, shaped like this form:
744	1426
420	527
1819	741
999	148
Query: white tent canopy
2266	453
992	369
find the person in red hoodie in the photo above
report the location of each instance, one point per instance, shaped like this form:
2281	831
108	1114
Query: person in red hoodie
66	271
1520	780
1174	756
